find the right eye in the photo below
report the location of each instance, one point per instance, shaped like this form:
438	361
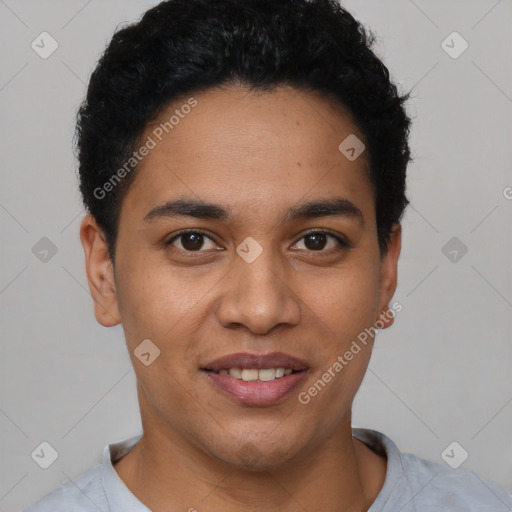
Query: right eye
189	241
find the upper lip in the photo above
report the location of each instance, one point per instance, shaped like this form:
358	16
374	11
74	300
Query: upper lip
256	361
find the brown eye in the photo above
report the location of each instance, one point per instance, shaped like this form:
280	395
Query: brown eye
190	241
317	241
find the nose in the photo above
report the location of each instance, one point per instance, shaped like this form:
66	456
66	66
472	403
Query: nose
258	295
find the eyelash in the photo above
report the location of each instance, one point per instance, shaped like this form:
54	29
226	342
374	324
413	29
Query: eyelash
343	243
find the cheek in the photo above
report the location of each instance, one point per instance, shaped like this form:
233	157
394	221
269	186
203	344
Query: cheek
345	302
162	305
345	308
153	301
158	306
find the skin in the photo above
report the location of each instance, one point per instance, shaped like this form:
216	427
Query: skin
257	154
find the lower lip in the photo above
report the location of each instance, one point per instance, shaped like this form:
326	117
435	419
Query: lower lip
256	392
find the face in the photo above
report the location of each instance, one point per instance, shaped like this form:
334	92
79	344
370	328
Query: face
280	268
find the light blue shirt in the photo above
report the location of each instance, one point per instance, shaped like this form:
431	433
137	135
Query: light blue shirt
412	484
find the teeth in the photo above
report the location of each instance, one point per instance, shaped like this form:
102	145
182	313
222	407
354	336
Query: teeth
235	372
251	375
267	374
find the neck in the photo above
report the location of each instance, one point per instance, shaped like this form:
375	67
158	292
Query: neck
166	473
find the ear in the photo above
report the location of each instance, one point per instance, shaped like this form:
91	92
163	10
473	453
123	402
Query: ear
388	274
100	272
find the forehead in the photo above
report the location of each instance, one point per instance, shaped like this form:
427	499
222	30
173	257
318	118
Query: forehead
246	149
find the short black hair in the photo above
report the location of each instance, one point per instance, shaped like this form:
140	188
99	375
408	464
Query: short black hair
181	47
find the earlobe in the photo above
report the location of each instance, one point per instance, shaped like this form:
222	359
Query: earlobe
389	276
385	319
100	273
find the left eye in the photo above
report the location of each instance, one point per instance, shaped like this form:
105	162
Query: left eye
319	240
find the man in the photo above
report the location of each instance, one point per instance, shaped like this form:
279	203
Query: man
243	164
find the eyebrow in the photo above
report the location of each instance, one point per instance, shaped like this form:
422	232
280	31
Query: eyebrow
333	206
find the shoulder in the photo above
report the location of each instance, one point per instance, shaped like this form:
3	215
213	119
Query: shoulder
414	484
83	494
433	484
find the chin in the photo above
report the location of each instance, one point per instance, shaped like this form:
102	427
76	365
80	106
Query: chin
263	455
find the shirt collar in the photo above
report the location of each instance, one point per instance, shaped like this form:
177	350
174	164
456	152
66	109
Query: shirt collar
395	474
119	497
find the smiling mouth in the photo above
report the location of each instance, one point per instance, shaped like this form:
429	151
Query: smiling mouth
261	387
256	375
256	379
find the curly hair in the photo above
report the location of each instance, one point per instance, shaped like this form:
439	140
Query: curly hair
180	47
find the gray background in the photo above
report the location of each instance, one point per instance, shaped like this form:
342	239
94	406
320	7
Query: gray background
442	373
